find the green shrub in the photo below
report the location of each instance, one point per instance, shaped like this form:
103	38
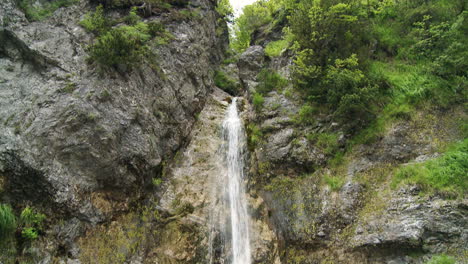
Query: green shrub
29	233
269	80
7	221
156	181
306	114
45	10
224	8
255	136
96	22
441	259
276	48
227	84
121	46
156	29
30	218
257	101
132	18
327	142
31	223
447	174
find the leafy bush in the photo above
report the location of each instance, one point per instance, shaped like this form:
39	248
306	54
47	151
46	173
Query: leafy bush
227	84
306	114
7	221
121	46
224	8
254	16
255	136
29	233
257	101
45	10
447	174
31	223
269	80
96	21
327	142
441	259
276	48
132	18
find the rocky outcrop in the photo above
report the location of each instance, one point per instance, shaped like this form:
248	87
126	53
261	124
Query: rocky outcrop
348	214
67	131
83	144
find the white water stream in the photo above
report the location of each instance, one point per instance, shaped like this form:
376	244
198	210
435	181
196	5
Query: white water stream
233	134
229	228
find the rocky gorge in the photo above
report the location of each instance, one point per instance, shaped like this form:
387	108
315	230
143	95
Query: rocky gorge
124	162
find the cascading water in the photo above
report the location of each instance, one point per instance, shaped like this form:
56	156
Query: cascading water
231	197
232	130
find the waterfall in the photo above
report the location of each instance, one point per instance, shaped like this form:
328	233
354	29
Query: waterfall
230	215
232	132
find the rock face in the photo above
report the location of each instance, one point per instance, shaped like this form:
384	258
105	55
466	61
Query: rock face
359	219
67	132
83	145
127	162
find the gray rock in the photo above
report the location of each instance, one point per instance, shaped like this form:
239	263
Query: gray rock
412	222
250	63
106	133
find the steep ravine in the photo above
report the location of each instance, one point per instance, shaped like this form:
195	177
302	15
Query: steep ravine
127	166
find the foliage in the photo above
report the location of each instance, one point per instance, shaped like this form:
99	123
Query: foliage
447	174
224	8
7	221
44	10
29	233
226	83
441	259
276	48
327	142
255	136
306	114
156	181
96	21
257	101
123	45
162	4
132	18
269	80
254	16
31	223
